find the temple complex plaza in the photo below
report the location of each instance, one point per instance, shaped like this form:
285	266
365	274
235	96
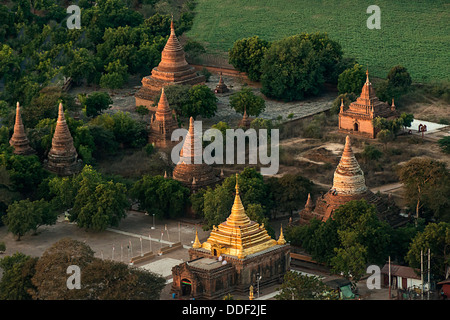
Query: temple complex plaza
128	234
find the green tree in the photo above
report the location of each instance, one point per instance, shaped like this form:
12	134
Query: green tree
193	49
245	99
116	75
289	192
202	102
303	287
25	172
435	237
82	66
426	182
351	80
385	136
98	203
166	198
18	270
95	103
22	216
101	279
371	153
444	143
397	83
350	259
178	98
291	70
247	54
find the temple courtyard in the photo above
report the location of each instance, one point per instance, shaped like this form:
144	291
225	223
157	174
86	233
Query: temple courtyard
127	236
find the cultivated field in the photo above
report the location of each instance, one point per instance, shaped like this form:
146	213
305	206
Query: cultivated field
415	34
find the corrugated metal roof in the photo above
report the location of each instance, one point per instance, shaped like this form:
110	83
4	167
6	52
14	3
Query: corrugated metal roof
401	271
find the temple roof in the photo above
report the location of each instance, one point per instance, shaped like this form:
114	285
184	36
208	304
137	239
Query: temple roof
238	235
368	92
348	177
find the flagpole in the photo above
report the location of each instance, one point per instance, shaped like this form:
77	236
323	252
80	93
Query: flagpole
150	238
131	249
389	277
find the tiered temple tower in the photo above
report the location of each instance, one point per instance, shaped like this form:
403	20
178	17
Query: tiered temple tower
162	124
348	184
62	157
173	69
357	119
235	254
189	173
19	138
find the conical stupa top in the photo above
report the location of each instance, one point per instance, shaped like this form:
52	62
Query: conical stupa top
173	44
238	216
197	243
163	104
62	139
348	177
19	138
281	239
163	111
309	202
367	93
187	153
19	130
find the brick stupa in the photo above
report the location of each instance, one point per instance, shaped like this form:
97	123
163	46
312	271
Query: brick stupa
245	121
221	86
357	119
19	138
348	184
193	175
172	70
162	124
62	157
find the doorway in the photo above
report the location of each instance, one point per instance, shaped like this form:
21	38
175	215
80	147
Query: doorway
355	126
186	287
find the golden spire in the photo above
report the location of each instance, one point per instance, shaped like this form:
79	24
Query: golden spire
238	236
281	238
251	293
238	216
197	243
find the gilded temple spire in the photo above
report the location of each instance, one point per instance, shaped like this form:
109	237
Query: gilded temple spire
281	239
197	243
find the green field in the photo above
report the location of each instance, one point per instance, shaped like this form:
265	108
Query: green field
413	33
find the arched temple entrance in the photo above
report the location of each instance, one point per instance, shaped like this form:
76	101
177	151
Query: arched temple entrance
355	127
186	287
